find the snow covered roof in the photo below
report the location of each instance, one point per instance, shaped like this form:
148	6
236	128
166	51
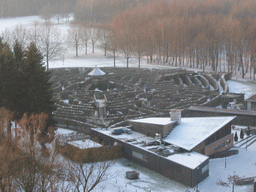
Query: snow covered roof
191	160
96	72
84	144
135	135
154	120
252	98
194	130
61	131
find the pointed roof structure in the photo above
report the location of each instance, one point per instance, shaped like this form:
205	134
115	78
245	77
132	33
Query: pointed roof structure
97	72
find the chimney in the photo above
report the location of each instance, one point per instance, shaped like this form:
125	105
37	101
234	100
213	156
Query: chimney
175	115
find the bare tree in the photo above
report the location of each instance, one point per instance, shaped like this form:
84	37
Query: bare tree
7	36
75	35
24	164
38	167
34	33
7	157
104	38
85	177
113	46
50	42
232	180
87	170
85	38
20	34
94	35
126	47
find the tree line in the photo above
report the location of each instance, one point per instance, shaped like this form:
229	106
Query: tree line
102	11
219	34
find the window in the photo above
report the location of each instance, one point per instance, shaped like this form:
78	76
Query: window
205	168
139	156
222	145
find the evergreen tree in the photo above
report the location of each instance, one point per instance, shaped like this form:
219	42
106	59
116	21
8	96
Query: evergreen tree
18	54
18	59
236	137
241	134
36	89
8	78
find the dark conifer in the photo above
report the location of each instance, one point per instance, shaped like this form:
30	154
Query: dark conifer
241	134
37	93
236	137
18	61
18	54
8	78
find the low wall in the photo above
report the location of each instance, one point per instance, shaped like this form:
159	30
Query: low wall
91	154
213	102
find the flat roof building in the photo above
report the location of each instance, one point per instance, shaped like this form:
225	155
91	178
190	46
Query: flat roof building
175	147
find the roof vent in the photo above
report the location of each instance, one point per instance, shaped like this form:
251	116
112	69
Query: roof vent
175	115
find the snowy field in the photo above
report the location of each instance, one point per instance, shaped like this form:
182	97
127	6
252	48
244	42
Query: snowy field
243	164
242	86
68	58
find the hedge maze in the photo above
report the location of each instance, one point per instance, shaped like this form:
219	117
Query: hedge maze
129	93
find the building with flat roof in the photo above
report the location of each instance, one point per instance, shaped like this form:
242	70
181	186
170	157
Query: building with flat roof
200	134
175	147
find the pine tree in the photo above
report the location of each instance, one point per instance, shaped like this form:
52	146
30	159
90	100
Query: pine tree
241	134
18	61
37	94
18	54
236	137
8	78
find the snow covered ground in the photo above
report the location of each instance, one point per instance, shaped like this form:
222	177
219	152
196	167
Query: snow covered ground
245	86
243	164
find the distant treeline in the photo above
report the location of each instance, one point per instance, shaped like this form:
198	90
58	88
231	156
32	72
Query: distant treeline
16	8
220	34
89	10
100	11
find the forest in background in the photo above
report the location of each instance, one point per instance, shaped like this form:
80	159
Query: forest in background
215	34
219	34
